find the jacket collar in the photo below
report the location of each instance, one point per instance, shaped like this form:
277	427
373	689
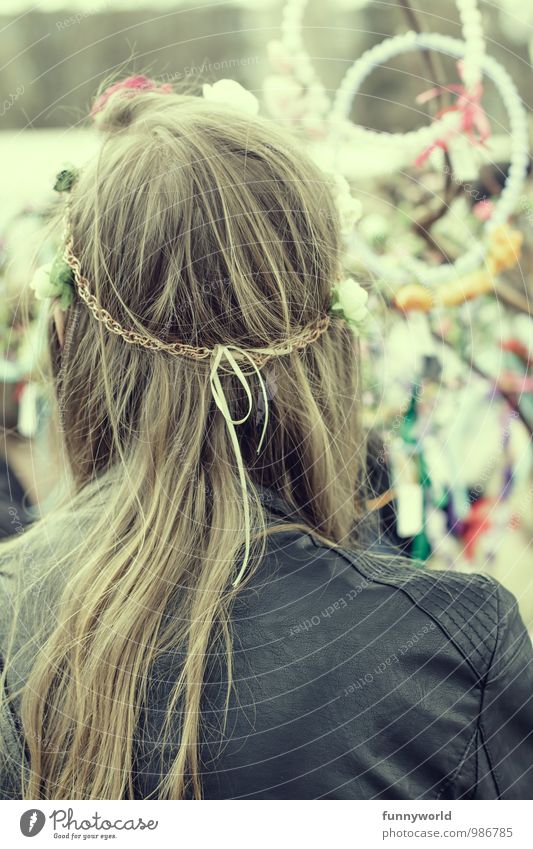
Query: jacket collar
276	505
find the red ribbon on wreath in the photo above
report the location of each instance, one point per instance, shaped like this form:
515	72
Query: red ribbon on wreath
474	123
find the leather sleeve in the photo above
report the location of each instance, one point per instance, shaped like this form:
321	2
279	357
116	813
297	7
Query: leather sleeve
505	754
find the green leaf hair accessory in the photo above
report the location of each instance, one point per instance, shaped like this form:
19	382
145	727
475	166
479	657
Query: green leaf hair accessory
66	179
349	300
54	280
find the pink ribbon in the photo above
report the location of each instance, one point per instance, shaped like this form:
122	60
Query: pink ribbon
474	122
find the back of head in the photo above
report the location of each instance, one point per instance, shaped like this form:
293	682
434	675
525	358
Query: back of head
200	225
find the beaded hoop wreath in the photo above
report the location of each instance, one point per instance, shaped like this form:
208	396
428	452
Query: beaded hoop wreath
322	118
508	199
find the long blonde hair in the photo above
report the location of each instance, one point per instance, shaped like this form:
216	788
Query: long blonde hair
200	224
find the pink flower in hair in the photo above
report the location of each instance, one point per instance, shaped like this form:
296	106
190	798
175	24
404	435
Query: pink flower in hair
128	87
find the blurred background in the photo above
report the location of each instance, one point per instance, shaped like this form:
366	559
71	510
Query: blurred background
55	54
449	394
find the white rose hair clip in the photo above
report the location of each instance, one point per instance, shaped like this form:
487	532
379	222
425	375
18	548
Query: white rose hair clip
231	93
349	301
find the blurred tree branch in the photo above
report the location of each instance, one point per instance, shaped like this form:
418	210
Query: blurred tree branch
451	187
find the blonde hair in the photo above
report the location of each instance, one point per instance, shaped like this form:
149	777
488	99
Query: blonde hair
200	224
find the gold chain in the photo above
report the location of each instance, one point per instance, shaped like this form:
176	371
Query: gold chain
260	356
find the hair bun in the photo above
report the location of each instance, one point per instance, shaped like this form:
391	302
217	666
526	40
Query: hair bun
114	108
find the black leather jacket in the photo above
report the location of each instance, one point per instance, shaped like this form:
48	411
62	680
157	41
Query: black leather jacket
357	678
354	678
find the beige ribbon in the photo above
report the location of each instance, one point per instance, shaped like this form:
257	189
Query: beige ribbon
220	354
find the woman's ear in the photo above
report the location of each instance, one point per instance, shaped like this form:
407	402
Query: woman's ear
59	321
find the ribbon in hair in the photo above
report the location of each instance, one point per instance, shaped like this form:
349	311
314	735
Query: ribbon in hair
225	355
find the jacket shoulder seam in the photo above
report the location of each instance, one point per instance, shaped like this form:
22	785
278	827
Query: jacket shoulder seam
480	720
386	580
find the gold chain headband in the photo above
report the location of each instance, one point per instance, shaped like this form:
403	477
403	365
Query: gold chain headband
260	356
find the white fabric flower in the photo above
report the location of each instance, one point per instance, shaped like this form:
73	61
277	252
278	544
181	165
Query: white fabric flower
231	93
42	285
350	300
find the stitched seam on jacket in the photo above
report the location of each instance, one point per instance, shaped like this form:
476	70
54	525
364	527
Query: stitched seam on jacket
475	647
489	758
392	583
452	778
483	688
481	679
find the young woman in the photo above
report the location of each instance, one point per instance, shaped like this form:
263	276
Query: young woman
204	615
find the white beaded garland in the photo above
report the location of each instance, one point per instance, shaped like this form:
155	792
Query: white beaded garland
400	270
472	27
413	142
341	131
